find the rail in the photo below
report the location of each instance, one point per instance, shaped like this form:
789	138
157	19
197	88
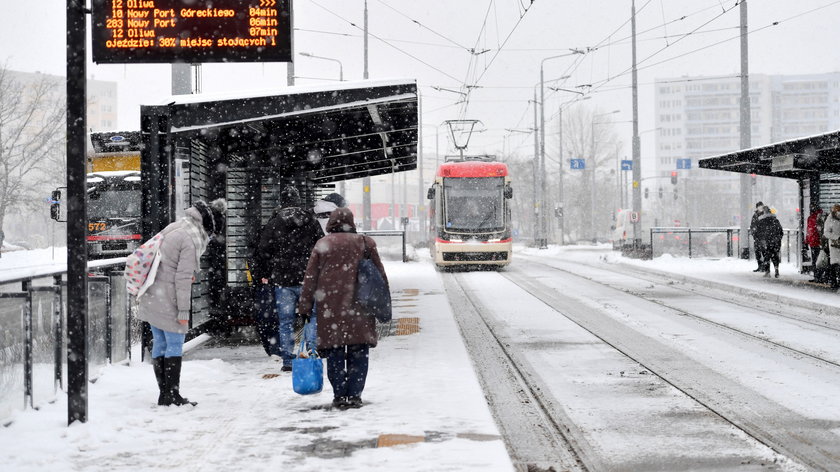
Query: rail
33	331
713	242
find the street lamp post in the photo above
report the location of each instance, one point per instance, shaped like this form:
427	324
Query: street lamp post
341	187
421	215
560	196
592	175
340	66
541	180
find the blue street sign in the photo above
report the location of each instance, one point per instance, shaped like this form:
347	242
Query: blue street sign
626	165
683	163
578	164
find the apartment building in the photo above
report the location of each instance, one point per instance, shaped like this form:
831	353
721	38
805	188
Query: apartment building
699	117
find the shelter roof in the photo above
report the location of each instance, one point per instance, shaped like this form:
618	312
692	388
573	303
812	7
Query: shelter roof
798	158
331	133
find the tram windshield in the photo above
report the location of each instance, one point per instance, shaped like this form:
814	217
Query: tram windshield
113	202
474	204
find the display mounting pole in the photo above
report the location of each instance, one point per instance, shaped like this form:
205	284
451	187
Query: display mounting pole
366	204
77	314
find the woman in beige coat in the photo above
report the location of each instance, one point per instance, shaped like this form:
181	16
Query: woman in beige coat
831	231
166	303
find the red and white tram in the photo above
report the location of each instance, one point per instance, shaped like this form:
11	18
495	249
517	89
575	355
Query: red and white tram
470	214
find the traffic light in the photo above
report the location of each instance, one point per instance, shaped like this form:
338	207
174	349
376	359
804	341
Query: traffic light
660	192
674	177
646	192
752	179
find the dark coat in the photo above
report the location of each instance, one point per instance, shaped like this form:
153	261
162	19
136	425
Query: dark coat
769	230
330	284
284	247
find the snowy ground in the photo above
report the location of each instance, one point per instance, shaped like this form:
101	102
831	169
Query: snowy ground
714	272
420	385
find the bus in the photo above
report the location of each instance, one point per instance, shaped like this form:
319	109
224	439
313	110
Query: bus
113	194
470	216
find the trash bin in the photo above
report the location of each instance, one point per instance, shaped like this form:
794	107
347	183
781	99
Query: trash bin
745	253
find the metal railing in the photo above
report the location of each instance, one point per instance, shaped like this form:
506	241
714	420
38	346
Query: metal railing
390	233
714	242
33	335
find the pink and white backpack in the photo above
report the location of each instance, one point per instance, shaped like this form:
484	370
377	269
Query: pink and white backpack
141	266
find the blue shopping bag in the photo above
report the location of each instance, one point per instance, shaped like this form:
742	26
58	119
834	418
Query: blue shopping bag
307	372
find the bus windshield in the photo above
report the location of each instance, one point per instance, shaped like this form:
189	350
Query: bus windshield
105	202
474	204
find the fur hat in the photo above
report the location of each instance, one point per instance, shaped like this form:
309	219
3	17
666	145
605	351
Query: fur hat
335	198
289	197
212	215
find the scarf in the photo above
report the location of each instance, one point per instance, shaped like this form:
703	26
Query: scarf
198	236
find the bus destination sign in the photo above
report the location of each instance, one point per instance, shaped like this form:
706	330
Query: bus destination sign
192	31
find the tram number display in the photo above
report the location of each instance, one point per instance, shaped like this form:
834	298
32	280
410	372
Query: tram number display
191	31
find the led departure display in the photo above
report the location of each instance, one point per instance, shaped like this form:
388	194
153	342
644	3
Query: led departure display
192	31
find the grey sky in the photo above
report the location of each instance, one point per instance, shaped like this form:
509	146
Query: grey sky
435	51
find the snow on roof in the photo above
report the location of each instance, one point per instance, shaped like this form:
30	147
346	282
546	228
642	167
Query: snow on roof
307	111
774	144
294	90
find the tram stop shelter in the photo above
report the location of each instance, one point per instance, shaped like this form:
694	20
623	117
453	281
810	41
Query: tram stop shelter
813	161
246	147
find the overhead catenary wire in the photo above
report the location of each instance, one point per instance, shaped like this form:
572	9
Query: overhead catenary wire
600	86
475	83
386	42
423	26
717	43
393	40
472	66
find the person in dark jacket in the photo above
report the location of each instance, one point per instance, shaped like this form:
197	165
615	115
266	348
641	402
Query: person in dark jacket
768	235
166	303
346	331
759	255
282	254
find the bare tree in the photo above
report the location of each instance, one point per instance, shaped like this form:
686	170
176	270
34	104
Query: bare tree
596	142
32	118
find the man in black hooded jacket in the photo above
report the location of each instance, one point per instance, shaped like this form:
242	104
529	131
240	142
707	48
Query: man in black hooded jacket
280	261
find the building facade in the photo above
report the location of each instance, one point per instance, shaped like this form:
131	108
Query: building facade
698	117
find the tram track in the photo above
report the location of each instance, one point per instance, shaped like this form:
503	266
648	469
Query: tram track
786	431
746	303
539	437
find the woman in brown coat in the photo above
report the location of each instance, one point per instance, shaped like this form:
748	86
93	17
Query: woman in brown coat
345	330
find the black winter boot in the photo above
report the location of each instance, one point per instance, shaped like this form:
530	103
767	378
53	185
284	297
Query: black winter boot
173	381
164	399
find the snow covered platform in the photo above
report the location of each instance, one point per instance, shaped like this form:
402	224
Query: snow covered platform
791	287
424	409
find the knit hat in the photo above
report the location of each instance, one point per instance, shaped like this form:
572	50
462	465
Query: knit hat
289	197
212	215
335	198
759	205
